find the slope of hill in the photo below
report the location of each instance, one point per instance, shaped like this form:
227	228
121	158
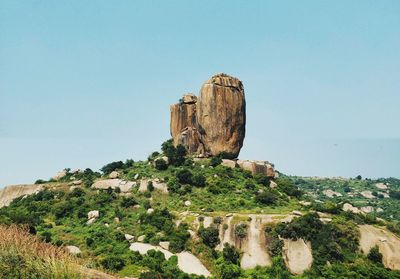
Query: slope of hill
173	214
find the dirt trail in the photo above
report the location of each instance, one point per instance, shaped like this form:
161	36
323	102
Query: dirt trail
388	243
297	255
255	250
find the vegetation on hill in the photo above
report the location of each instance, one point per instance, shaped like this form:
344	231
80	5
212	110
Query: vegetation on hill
59	215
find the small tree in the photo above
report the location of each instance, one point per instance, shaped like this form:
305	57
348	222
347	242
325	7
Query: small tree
230	254
210	236
160	164
374	255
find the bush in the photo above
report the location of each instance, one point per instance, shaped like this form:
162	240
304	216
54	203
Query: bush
113	263
215	161
199	180
266	198
230	254
374	255
109	168
150	186
128	202
286	185
209	236
184	176
241	231
160	164
176	155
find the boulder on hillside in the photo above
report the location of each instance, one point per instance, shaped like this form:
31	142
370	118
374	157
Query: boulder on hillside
60	174
228	163
257	167
73	249
297	255
113	175
125	186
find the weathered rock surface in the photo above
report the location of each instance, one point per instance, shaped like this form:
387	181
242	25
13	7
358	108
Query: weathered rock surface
184	124
125	186
297	255
161	186
257	167
187	262
213	123
73	249
221	115
388	243
9	193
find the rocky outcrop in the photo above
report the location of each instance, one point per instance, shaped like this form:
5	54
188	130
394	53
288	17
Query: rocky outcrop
257	167
187	262
387	242
221	115
213	123
297	255
125	186
9	193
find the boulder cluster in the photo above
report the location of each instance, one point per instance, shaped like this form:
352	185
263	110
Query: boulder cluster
215	121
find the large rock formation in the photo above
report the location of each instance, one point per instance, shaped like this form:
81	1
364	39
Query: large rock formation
213	123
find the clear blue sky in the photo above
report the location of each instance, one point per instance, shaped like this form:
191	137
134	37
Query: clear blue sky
84	83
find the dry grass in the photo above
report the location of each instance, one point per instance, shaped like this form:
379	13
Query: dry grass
23	255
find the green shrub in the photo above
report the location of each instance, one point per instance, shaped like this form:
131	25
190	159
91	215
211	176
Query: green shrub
374	255
266	198
109	168
113	263
230	254
209	236
160	164
184	176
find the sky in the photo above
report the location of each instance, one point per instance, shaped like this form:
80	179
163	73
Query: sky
84	83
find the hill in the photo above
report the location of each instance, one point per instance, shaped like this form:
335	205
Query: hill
175	214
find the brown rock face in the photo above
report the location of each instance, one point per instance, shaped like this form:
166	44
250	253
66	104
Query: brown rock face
215	122
184	124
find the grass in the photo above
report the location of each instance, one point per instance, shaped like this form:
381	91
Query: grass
23	255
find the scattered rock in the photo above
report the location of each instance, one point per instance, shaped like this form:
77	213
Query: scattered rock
60	174
129	237
141	238
160	186
367	194
349	207
273	185
116	220
150	210
136	176
381	186
257	167
367	209
125	186
73	249
164	245
228	163
229	215
92	216
331	194
379	210
188	203
113	175
77	182
305	203
297	213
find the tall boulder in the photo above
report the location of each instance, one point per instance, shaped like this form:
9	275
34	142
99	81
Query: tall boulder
214	122
221	115
184	124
